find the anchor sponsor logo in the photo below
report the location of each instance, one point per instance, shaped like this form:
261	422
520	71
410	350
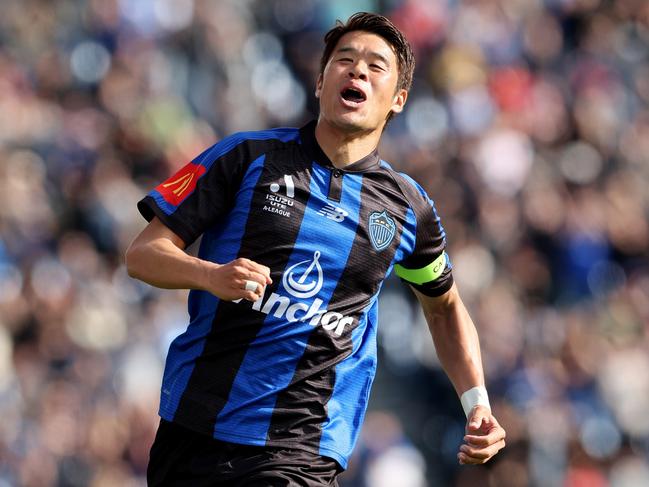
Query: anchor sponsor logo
305	286
303	280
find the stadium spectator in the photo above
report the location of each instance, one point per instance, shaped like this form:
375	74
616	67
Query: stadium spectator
527	123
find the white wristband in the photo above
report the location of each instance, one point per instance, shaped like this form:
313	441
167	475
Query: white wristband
473	397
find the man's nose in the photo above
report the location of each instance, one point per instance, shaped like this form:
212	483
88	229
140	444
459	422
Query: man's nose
358	70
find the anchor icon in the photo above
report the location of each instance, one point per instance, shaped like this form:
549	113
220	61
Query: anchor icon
299	287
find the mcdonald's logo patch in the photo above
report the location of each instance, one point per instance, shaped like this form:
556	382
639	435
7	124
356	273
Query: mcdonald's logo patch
180	185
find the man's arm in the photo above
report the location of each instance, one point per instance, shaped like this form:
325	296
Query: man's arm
458	348
157	257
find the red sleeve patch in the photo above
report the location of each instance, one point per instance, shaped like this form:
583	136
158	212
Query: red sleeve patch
175	189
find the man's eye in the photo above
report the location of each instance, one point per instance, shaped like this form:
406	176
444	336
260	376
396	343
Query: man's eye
377	66
346	60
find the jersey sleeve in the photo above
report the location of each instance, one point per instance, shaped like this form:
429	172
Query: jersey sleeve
428	267
201	192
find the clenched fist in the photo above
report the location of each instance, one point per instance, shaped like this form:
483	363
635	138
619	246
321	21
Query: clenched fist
241	278
484	437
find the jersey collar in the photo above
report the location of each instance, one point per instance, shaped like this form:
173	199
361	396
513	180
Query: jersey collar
313	149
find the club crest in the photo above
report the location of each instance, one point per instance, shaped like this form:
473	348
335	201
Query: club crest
382	229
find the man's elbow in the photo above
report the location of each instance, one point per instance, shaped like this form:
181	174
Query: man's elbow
133	259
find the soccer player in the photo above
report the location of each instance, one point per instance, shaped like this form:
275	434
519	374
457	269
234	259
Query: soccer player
300	226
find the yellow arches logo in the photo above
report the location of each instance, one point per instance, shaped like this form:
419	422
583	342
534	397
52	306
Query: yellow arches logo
181	184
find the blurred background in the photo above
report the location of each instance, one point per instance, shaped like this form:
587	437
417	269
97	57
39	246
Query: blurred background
527	123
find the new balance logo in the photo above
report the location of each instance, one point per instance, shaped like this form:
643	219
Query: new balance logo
333	213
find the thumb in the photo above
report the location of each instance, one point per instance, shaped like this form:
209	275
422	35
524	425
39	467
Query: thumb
476	417
474	424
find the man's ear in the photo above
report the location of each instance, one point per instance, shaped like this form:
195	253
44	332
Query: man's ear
399	100
318	86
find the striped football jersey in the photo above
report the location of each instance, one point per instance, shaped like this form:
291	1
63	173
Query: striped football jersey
295	368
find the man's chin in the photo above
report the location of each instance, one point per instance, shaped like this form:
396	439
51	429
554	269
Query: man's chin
354	123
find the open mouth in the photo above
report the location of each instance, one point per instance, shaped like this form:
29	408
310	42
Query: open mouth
353	95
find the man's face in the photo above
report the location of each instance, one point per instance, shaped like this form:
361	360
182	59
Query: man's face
359	85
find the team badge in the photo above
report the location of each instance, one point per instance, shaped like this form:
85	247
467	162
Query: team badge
382	229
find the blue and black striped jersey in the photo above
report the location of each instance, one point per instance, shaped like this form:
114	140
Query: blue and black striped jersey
295	368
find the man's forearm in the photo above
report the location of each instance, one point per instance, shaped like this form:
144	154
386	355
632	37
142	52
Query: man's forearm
162	264
456	340
458	349
157	256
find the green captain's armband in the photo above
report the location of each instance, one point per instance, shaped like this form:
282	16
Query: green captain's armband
426	274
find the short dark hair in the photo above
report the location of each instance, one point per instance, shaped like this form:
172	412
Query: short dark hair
381	26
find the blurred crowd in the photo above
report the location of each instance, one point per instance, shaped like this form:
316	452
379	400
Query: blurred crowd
528	124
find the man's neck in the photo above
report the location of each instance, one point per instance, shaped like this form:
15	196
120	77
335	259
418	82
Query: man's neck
344	148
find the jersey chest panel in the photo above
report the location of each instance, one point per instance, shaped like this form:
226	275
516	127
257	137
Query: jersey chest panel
294	198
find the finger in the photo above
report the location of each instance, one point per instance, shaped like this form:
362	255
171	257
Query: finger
255	277
482	453
474	422
264	271
466	460
242	286
254	287
480	419
493	436
259	269
474	419
251	286
475	453
480	457
489	431
481	441
251	296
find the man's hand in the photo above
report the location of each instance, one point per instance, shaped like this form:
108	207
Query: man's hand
484	437
228	281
